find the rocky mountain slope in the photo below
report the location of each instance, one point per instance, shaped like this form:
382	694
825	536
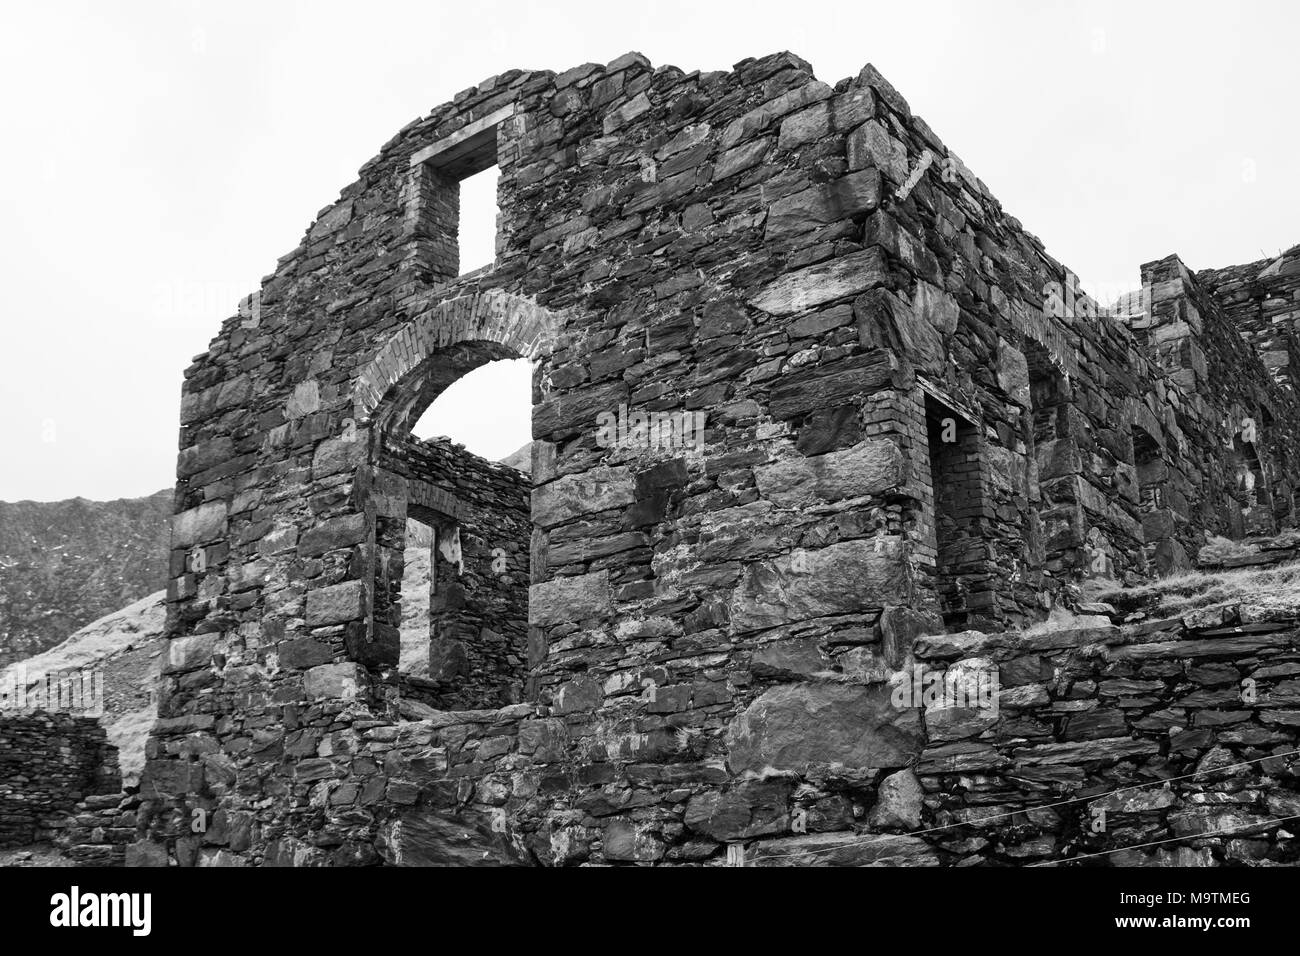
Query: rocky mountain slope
65	563
128	648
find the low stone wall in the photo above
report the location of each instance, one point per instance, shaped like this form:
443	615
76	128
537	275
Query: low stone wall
1103	738
478	602
48	762
1109	738
100	829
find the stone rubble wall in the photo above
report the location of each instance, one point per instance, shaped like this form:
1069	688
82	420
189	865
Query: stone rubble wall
711	630
986	310
48	762
479	602
1179	728
1219	372
1263	300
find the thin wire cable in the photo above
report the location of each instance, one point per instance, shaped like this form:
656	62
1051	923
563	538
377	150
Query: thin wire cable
1046	806
1190	836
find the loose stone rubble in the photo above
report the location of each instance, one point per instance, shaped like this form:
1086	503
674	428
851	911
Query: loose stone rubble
919	439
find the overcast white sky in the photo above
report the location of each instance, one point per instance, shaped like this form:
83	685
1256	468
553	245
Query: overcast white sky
159	156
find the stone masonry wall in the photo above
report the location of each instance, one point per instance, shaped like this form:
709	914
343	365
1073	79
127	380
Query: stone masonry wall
993	321
712	629
479	579
1263	300
48	762
1251	481
1109	737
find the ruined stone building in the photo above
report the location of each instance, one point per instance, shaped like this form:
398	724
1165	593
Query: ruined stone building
914	427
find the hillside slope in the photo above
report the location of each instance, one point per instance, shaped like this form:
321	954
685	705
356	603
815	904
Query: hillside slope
65	563
128	647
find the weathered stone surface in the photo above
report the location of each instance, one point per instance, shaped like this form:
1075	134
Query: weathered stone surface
935	308
799	726
580	696
336	455
759	118
341	532
336	604
898	803
901	630
845	577
790	659
205	455
304	653
190	653
871	145
572	496
816	388
885	321
828	430
754	808
825	282
339	681
422	838
199	525
146	853
1180	856
1072	754
304	400
843	849
871	468
569	599
628	841
844	198
1013	373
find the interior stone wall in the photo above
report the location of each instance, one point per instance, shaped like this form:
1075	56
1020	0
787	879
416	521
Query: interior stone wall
480	571
1263	300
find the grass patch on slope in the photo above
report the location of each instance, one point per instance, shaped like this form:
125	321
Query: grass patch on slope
1274	589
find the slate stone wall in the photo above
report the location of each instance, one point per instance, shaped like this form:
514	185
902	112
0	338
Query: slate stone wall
712	628
1263	300
479	580
1106	738
48	762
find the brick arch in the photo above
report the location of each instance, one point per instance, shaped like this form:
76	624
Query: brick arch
443	343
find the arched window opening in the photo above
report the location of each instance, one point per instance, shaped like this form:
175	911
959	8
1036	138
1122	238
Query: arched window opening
462	601
486	409
467	517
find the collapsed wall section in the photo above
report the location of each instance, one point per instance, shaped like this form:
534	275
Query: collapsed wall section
1263	300
1240	422
49	762
1104	426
